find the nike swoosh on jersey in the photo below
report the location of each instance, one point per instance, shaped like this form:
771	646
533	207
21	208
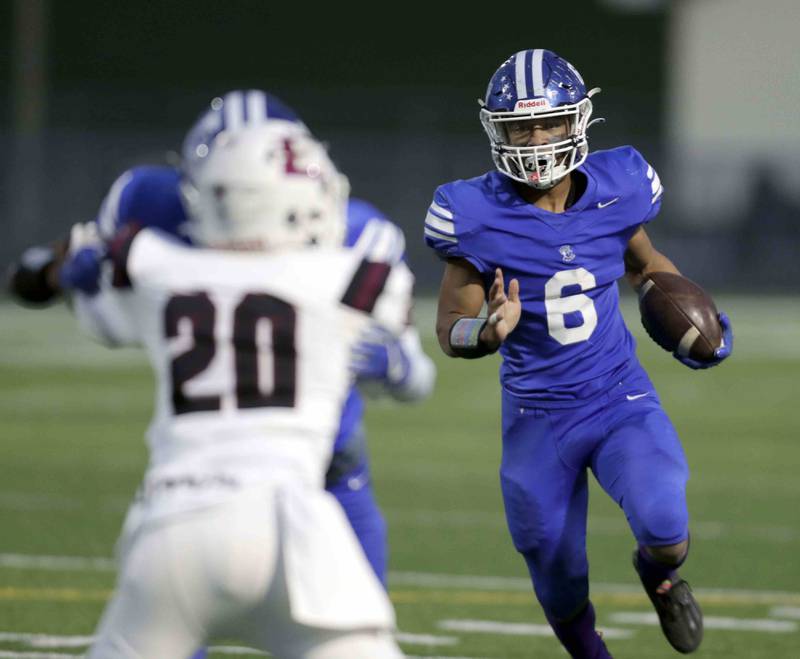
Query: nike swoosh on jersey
635	396
603	204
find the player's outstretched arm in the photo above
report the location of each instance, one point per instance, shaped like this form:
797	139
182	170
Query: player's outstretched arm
460	331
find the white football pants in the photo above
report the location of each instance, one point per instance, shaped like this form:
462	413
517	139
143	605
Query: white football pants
281	571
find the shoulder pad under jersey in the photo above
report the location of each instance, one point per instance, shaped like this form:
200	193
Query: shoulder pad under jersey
148	196
372	233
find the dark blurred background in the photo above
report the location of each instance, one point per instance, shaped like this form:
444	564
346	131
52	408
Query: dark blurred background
95	87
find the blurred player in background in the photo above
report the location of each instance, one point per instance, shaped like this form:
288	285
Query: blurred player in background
152	196
543	240
249	335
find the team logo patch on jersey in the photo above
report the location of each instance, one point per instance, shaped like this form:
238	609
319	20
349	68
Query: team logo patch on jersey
567	255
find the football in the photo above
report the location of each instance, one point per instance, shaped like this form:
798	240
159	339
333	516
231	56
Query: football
679	316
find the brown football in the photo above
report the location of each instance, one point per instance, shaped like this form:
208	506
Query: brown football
679	315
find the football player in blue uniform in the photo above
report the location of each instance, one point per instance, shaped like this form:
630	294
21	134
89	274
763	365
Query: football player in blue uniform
154	196
542	240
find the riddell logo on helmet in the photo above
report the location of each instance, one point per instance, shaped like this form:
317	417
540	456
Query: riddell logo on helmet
531	104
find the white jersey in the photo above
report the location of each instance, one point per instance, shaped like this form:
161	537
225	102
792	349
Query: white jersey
251	353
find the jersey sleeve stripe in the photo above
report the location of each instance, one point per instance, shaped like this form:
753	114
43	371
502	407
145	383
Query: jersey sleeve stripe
657	195
439	224
383	248
655	184
367	237
441	212
650	172
440	236
118	250
366	286
385	243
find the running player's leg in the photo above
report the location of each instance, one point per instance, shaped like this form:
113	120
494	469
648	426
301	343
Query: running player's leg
350	481
546	504
144	619
642	466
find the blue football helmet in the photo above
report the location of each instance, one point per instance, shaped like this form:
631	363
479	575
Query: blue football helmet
537	84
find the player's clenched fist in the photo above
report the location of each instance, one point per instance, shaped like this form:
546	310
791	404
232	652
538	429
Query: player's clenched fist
504	310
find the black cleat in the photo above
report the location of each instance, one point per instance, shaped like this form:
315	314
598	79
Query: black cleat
678	611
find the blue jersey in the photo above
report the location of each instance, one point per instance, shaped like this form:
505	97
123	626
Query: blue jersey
150	195
571	341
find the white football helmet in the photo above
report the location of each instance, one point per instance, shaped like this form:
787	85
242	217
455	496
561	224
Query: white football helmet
265	186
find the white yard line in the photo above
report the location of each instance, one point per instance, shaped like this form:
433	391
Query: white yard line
425	639
5	654
712	622
46	640
41	641
59	563
516	628
785	612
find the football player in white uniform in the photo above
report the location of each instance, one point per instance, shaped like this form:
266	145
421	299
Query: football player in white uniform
151	195
250	339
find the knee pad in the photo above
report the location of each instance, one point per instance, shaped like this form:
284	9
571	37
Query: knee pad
661	520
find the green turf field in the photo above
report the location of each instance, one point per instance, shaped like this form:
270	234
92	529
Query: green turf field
72	416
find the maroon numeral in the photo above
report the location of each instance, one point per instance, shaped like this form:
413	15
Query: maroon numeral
198	310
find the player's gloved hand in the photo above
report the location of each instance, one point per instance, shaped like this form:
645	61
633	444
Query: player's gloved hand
379	356
81	269
723	352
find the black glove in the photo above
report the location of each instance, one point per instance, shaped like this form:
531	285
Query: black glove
28	279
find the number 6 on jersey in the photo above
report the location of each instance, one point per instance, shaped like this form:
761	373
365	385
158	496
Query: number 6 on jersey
559	305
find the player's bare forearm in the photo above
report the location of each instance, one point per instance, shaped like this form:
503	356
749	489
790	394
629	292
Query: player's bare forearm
641	258
461	295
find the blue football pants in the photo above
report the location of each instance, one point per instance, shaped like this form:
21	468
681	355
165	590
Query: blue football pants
354	493
630	445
